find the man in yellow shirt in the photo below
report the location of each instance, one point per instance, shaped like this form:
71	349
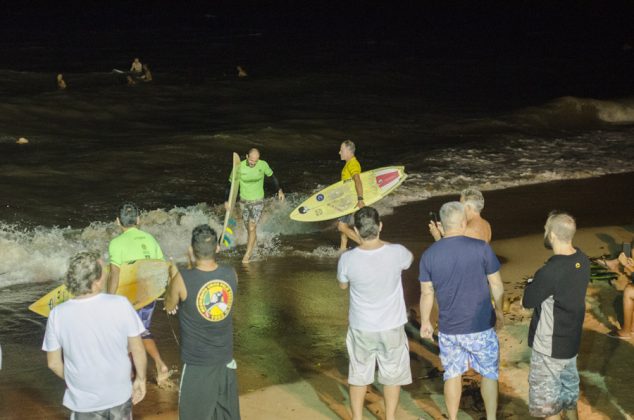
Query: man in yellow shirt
350	171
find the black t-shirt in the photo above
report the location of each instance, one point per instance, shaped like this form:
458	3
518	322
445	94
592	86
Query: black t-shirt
206	316
558	293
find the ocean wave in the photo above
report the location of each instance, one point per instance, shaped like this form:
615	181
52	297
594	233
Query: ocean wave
570	111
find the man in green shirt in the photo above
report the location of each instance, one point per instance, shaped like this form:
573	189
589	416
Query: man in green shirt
132	245
253	170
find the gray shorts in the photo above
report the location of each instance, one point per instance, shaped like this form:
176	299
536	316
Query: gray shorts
120	412
389	349
251	210
553	385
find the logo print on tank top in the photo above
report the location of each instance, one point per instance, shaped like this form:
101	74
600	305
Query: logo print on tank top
214	300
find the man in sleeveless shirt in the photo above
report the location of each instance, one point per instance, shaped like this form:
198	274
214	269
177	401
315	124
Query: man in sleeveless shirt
204	298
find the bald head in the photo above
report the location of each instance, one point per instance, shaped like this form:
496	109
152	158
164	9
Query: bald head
253	156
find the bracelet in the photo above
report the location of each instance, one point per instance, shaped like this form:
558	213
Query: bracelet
360	198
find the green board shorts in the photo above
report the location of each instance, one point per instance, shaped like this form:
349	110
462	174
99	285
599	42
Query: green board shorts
209	392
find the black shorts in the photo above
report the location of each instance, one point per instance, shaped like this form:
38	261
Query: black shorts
208	392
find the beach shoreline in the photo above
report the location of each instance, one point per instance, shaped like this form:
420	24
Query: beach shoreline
291	355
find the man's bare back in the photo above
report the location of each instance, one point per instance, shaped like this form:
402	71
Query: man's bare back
478	228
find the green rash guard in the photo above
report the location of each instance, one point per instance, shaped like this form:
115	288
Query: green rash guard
252	180
133	245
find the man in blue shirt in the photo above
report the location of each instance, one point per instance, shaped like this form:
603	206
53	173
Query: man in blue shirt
463	273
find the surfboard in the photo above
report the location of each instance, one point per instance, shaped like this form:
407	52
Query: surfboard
227	236
340	198
142	282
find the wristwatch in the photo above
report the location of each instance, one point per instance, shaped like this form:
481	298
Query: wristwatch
360	198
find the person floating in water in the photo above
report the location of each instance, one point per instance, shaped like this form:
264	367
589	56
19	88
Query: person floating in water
136	69
242	73
61	84
147	75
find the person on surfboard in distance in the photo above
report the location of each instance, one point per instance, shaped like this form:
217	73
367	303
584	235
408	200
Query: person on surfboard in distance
133	245
136	68
253	170
351	170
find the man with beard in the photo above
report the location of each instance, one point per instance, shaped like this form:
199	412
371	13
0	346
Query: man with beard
557	293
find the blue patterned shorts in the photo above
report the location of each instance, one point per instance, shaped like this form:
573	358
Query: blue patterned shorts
479	351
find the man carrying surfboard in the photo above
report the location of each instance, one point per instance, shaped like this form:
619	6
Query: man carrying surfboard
350	171
252	172
133	245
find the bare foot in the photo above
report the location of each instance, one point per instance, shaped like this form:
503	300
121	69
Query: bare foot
246	259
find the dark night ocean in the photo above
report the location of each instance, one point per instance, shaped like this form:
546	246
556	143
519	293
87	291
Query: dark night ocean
457	108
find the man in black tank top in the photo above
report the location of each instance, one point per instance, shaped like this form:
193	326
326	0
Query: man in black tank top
205	294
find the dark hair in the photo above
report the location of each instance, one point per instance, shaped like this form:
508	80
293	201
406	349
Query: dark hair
367	222
128	214
204	242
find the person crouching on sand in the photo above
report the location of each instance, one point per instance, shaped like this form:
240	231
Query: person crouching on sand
87	341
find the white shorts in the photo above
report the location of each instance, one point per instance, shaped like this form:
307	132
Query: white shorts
390	349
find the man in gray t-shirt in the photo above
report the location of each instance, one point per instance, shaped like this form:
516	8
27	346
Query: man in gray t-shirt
377	313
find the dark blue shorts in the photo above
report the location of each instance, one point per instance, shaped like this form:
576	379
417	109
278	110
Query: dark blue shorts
145	313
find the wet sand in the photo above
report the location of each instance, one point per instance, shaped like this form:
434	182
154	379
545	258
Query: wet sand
291	320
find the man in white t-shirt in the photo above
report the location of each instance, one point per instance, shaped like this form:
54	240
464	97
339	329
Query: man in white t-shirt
377	313
87	341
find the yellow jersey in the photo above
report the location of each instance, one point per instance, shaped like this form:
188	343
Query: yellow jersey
351	168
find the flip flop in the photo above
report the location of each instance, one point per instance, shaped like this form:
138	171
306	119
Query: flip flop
615	334
600	261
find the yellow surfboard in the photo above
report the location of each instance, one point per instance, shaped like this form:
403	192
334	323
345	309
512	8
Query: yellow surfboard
142	282
226	237
341	198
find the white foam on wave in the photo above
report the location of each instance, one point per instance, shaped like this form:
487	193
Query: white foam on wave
516	162
42	254
574	112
